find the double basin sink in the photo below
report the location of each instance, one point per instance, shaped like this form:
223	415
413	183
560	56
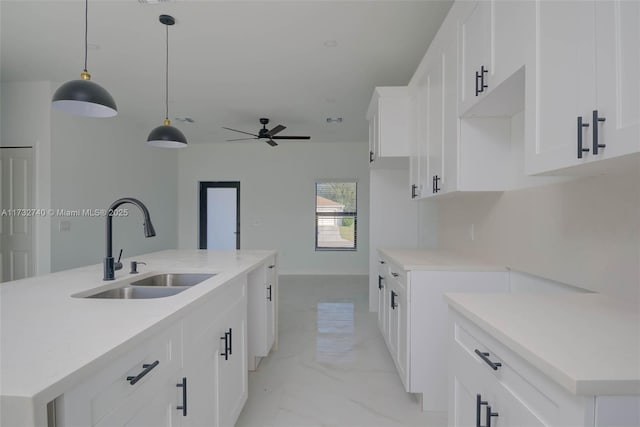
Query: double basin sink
156	286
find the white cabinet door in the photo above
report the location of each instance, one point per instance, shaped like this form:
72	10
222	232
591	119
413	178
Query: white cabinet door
201	359
414	145
618	74
435	115
233	364
271	299
565	84
382	304
262	288
402	353
389	116
475	54
513	39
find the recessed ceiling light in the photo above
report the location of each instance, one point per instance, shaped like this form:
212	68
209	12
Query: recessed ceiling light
330	43
334	119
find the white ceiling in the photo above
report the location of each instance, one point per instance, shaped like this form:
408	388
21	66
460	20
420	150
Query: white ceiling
230	62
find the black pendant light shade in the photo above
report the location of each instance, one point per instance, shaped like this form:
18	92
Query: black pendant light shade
84	97
166	135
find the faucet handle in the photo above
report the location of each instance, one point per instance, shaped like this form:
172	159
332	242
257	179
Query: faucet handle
134	266
118	265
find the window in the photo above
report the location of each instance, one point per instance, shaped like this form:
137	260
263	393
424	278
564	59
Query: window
336	216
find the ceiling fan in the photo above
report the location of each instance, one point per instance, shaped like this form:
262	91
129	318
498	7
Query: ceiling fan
264	133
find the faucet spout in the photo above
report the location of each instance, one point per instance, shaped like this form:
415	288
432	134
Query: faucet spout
149	231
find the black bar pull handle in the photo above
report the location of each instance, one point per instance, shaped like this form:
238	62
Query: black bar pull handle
226	346
478	83
272	265
596	121
380	286
483	85
485	357
414	194
230	349
581	125
147	367
183	407
479	403
436	188
382	262
370	156
394	274
393	300
269	293
489	415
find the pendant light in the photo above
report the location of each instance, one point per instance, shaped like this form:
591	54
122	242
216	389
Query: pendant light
84	97
167	135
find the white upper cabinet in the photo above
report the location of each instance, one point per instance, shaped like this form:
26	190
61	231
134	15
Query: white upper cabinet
475	54
587	90
389	116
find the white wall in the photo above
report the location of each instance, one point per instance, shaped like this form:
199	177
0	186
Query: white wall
584	232
88	163
93	163
277	197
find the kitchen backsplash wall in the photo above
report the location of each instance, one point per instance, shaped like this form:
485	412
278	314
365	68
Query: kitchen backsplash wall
584	232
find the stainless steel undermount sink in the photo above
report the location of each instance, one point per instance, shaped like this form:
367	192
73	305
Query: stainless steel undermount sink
172	280
156	286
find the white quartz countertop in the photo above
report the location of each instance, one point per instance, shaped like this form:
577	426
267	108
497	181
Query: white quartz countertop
49	339
436	260
587	343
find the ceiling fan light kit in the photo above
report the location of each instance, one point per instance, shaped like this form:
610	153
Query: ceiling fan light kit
166	135
84	97
264	133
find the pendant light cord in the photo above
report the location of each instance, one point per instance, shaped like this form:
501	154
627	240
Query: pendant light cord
166	82
86	30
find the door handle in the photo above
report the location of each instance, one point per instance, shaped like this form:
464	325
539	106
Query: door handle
393	300
485	358
596	121
146	369
581	125
380	282
183	407
269	294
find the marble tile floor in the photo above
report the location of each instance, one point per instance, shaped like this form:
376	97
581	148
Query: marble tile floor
332	367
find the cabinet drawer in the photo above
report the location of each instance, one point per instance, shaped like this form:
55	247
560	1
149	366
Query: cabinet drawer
519	387
131	381
397	274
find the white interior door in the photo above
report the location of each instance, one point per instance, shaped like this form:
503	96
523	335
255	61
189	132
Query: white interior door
16	213
219	215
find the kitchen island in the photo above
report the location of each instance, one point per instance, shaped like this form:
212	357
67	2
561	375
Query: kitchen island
53	341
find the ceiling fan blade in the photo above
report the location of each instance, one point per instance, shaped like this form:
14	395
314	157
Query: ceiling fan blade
241	131
277	129
291	137
271	142
241	139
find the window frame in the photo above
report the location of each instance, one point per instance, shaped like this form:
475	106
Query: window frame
353	214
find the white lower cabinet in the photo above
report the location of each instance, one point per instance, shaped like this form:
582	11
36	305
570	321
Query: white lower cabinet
490	385
136	389
262	285
192	374
412	317
215	359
